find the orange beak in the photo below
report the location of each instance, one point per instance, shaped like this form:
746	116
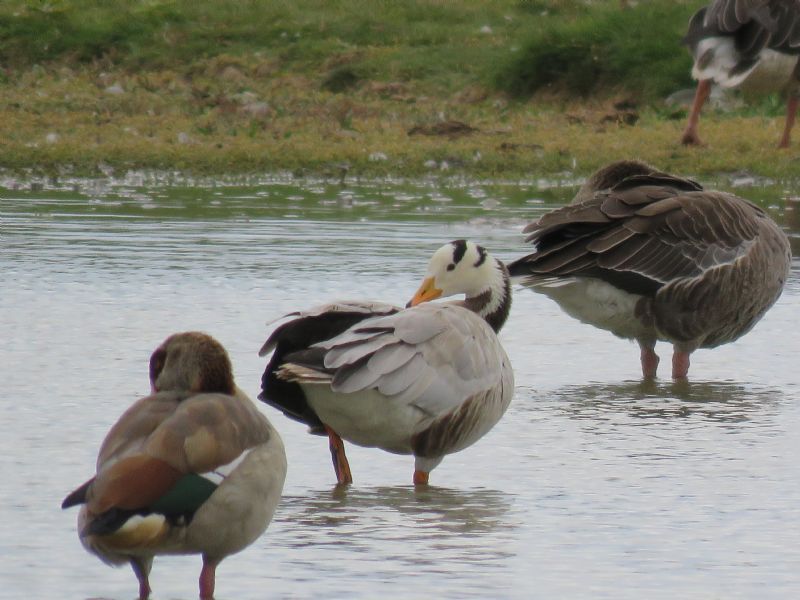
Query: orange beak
426	292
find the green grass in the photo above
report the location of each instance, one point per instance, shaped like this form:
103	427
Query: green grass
440	44
339	81
602	49
154	33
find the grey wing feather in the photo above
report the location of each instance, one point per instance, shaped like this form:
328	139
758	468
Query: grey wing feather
403	377
464	359
353	348
388	357
665	233
424	325
433	356
340	306
778	22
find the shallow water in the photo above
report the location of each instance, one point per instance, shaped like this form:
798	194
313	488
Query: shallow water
594	485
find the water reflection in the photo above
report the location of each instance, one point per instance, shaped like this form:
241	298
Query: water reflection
389	537
446	515
598	483
720	401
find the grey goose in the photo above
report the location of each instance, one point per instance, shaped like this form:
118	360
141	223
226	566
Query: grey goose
651	256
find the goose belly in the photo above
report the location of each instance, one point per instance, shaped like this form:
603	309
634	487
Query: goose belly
774	72
241	508
597	303
717	59
366	418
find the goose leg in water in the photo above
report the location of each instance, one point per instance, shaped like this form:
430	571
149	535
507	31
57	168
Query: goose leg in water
421	478
680	364
340	464
649	360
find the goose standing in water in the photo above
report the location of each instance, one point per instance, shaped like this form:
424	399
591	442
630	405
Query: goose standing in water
193	468
427	380
651	256
749	43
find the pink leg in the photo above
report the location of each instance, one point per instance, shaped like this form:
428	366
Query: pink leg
680	364
649	360
141	569
690	136
791	114
207	578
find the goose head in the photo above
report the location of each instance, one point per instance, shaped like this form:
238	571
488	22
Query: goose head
464	267
610	175
191	362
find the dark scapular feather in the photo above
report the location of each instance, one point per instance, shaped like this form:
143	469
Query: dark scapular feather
292	343
644	232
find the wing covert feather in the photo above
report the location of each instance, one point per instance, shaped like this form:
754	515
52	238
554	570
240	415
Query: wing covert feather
665	233
432	356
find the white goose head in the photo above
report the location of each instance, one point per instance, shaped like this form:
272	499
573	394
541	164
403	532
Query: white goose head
464	267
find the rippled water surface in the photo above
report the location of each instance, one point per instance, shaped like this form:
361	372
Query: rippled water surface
594	485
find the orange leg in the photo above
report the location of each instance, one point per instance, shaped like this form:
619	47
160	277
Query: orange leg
340	464
421	478
680	364
690	136
791	114
208	578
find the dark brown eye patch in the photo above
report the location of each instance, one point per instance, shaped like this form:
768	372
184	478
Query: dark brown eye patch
451	266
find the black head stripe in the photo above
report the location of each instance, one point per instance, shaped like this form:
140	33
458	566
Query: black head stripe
459	249
481	256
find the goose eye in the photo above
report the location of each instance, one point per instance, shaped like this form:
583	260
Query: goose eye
451	266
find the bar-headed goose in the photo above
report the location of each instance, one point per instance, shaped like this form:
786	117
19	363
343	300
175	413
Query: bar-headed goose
650	256
193	468
427	380
748	43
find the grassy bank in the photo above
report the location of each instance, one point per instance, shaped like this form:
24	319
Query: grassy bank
381	87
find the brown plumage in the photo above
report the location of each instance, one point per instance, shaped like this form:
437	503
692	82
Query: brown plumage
192	468
749	43
656	256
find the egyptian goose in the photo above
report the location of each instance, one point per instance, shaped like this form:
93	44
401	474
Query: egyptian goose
748	43
193	468
651	256
427	380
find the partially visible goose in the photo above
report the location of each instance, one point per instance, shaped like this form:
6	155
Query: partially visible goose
193	468
749	43
428	380
651	256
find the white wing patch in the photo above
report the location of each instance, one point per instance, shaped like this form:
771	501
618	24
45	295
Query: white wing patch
218	475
